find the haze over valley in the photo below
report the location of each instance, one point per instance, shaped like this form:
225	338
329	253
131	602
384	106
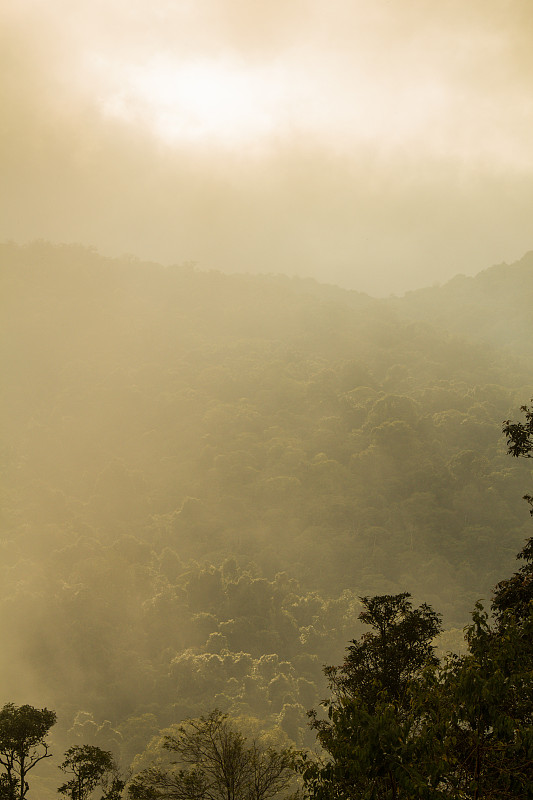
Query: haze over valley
204	473
266	281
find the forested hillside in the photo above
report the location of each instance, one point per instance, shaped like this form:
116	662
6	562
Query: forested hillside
494	306
202	473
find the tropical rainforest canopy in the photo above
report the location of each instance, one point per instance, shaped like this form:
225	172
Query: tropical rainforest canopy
206	477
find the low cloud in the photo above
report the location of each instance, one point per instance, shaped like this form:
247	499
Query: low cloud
401	153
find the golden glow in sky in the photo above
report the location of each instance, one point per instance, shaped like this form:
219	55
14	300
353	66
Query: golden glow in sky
194	101
379	145
389	91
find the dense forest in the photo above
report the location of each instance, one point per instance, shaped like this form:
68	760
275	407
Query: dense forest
204	475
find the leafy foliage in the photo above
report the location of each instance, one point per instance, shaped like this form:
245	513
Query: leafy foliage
23	744
457	728
386	659
372	733
217	763
520	439
487	697
89	766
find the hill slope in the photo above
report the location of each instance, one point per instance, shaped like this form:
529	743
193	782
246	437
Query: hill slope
203	472
495	306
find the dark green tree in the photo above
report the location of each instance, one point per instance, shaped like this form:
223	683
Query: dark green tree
396	649
23	732
462	729
215	762
513	597
486	699
89	767
520	439
491	689
373	734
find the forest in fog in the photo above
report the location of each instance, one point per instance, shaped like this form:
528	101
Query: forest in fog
203	474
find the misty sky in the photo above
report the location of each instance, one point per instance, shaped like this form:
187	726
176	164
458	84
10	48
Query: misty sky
381	145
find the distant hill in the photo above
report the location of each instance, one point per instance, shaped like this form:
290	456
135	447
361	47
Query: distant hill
495	306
